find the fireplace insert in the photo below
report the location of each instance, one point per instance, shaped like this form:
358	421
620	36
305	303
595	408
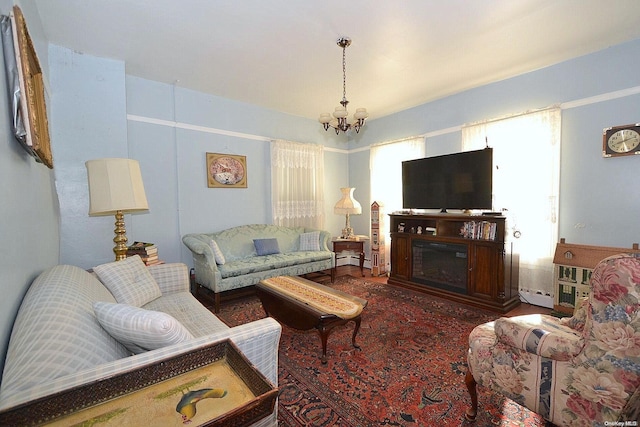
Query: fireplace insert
440	265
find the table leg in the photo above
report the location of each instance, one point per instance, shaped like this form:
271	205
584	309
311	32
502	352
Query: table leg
355	331
324	335
335	267
325	330
362	263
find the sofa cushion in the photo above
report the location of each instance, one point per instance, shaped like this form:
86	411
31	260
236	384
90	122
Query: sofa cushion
138	329
310	241
266	246
187	310
237	242
129	281
217	253
270	262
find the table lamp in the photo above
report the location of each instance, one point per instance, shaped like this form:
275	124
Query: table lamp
347	206
116	188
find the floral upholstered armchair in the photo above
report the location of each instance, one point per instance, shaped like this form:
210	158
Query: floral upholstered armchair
578	371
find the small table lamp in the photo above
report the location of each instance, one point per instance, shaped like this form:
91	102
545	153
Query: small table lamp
347	206
115	188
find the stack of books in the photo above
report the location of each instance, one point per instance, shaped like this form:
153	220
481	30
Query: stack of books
147	251
479	230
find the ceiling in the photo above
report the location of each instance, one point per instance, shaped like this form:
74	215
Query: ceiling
282	54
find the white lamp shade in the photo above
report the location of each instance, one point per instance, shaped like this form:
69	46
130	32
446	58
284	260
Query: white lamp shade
115	185
324	118
361	113
347	205
340	113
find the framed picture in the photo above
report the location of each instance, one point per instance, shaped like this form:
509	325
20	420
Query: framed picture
226	171
212	386
33	112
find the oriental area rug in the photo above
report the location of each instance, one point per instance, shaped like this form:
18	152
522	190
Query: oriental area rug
409	370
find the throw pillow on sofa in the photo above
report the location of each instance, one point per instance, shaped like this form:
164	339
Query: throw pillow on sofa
217	253
129	281
310	241
140	330
266	246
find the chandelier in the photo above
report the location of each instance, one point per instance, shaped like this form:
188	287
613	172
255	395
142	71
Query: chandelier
339	121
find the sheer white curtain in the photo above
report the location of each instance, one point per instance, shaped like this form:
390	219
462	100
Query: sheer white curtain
297	184
385	168
526	182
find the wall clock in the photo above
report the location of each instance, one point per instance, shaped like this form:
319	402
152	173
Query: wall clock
621	140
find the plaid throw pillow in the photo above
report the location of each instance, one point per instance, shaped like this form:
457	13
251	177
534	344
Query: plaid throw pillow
217	253
138	329
310	241
129	281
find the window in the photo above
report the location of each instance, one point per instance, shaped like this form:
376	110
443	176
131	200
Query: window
385	166
525	185
297	184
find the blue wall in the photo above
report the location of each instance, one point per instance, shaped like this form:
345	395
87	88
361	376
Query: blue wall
101	112
599	198
29	228
174	154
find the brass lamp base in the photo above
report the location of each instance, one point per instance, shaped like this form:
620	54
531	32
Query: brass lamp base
120	249
347	231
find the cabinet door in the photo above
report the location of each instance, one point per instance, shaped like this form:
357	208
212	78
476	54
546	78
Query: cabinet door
400	250
484	274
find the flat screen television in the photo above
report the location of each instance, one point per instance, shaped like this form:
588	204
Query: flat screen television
453	181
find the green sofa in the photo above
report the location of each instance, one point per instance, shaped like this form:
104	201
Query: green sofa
232	262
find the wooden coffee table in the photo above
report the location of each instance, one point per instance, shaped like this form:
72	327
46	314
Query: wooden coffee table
302	304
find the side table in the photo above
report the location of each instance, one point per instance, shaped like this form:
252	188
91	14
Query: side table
347	245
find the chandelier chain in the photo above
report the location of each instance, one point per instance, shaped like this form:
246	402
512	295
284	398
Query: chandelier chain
344	74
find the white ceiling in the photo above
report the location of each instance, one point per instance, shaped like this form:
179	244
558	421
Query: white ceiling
282	54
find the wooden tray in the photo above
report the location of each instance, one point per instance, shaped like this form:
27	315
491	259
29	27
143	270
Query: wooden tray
168	392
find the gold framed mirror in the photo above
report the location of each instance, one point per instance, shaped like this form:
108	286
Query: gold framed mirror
32	106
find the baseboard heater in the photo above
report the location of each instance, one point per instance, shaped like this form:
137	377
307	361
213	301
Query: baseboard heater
535	298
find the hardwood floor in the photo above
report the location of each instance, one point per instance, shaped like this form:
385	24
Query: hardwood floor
518	311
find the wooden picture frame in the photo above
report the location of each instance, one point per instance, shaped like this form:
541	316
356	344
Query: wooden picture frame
32	105
184	389
226	171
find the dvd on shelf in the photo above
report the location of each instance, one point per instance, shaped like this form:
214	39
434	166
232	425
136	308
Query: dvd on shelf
479	230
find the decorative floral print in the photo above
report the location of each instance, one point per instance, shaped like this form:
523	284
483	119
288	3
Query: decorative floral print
617	338
608	294
580	371
598	387
507	378
546	336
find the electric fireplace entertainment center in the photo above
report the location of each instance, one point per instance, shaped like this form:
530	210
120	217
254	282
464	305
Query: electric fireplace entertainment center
460	257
